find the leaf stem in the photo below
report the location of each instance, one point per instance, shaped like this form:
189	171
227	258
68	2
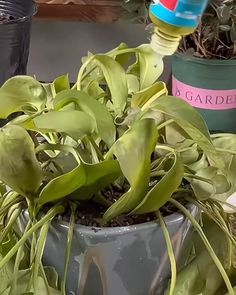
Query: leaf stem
164	124
50	215
170	253
17	264
58	147
68	248
96	148
39	253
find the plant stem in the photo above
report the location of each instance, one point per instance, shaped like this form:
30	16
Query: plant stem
164	124
39	253
68	248
17	264
81	71
207	244
5	209
14	216
50	215
170	253
58	147
96	148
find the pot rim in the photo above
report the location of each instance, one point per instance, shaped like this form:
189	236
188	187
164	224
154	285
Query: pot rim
88	230
104	231
206	61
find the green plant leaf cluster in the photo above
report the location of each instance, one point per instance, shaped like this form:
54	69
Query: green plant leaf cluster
115	130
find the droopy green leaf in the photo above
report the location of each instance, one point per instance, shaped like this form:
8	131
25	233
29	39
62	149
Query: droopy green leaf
93	89
191	122
19	167
24	121
98	177
148	95
203	187
164	189
201	163
23	282
189	281
76	124
120	54
6	275
104	121
115	77
133	83
61	83
150	65
84	180
21	92
133	151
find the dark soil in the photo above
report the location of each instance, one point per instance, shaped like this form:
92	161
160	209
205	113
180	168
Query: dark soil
5	18
90	213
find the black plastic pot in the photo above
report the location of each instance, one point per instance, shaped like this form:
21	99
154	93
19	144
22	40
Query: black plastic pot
15	37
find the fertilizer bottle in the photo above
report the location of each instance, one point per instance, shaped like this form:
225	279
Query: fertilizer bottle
173	19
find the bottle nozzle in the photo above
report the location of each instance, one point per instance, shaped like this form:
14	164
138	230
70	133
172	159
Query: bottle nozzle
164	44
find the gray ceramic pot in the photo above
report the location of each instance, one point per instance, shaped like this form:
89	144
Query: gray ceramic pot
128	260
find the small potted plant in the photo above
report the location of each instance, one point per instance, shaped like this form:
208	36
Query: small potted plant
204	67
102	176
15	22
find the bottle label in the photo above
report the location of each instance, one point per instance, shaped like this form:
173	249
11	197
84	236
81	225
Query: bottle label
180	13
204	98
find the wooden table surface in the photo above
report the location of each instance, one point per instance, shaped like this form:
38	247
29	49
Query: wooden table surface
80	10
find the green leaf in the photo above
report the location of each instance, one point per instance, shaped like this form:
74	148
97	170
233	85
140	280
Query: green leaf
133	151
148	95
133	84
24	121
104	121
189	281
22	285
76	124
150	65
59	84
203	186
200	164
115	78
164	189
6	275
62	185
208	183
93	89
84	180
121	54
98	177
19	167
19	93
190	155
192	123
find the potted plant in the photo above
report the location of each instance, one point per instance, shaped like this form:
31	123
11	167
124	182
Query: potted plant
102	177
15	22
204	67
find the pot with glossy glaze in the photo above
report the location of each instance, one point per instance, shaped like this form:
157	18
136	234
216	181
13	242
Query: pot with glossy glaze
130	260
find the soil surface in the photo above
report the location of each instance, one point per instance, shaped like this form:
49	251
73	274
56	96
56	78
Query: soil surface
90	213
5	18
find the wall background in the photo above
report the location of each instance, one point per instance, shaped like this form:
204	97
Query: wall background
57	47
